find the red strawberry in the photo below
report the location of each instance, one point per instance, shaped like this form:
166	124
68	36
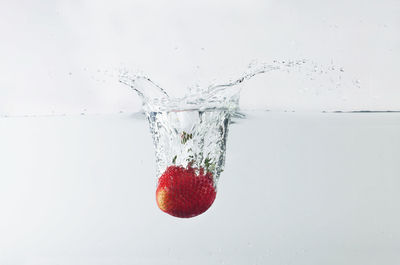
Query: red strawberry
183	193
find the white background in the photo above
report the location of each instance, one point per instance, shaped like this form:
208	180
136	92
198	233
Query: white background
298	188
61	56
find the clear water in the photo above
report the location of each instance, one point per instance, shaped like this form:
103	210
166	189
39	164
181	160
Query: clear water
192	130
226	94
195	138
298	188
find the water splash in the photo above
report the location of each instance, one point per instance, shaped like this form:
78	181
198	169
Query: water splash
143	85
204	113
190	132
215	96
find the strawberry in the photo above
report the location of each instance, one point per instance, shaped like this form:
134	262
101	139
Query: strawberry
183	193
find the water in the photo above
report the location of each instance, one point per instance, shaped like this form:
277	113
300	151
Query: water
201	118
190	138
191	132
215	95
326	183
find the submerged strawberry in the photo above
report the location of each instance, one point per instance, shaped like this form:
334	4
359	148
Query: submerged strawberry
183	193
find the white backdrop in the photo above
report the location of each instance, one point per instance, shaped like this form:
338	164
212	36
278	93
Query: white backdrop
298	188
61	56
